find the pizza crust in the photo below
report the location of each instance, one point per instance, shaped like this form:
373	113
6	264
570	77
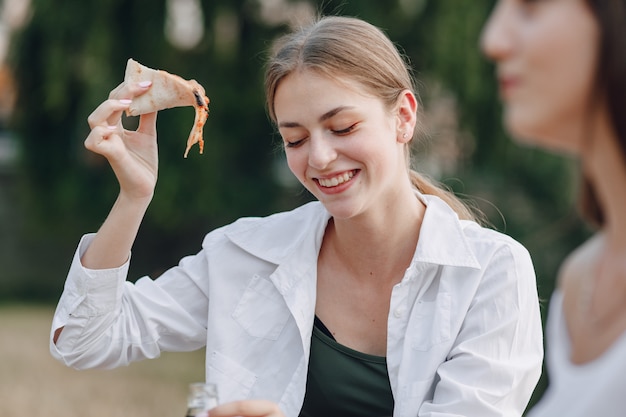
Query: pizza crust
168	91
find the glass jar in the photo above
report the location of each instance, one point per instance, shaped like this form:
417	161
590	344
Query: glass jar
202	397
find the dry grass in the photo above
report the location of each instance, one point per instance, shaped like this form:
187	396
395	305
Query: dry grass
33	384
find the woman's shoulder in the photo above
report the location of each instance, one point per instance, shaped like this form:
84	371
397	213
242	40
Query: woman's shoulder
580	264
272	233
288	217
593	283
483	240
490	239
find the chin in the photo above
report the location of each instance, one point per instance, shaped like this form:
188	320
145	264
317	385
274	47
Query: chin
339	213
546	142
553	139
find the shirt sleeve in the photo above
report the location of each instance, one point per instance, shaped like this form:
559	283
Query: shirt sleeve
496	359
108	321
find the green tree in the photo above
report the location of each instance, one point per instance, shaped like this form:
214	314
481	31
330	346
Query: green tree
72	54
67	60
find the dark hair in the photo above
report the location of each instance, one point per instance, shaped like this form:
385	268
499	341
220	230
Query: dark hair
610	86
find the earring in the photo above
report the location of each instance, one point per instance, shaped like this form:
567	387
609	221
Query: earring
404	135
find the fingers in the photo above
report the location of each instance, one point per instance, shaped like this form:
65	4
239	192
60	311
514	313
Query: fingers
109	113
111	110
247	408
147	124
130	90
106	120
102	139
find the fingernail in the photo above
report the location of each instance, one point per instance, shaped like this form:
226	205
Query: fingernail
125	101
111	127
144	84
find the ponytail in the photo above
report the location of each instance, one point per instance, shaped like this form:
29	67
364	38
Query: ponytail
427	186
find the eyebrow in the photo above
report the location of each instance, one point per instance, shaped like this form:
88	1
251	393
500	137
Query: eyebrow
322	118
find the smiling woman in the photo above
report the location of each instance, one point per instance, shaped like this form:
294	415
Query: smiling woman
382	297
341	144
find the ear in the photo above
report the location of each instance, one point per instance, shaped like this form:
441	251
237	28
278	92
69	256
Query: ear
406	113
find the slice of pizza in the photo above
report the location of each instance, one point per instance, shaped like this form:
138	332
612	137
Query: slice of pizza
168	91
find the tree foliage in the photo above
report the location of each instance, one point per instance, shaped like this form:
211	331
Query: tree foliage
71	54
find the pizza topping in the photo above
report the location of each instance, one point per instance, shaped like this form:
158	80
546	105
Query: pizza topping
167	91
202	112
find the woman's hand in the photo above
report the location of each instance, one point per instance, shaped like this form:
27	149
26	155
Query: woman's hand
133	155
247	408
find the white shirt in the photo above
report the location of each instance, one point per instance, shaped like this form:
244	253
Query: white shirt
596	388
463	335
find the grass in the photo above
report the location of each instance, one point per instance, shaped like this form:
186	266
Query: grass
33	384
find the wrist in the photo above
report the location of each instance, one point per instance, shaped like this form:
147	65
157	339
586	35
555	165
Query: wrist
134	200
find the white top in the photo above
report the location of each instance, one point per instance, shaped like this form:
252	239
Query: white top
463	335
596	388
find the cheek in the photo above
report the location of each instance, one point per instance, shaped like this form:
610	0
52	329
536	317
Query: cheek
542	125
554	95
296	162
568	82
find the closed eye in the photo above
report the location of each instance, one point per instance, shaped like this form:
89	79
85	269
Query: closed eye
344	131
294	144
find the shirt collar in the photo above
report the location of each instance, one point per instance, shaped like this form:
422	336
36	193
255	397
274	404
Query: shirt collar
297	234
292	235
442	238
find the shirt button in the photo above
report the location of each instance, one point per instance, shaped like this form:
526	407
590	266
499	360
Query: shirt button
398	312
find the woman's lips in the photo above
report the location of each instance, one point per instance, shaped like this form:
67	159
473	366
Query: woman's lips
506	85
337	182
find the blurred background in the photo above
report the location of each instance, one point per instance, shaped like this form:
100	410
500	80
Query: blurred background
59	60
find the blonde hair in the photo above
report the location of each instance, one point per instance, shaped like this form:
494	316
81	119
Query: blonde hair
339	46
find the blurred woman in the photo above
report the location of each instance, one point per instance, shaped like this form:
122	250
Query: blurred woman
561	67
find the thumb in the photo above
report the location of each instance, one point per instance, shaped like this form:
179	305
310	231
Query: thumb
147	124
103	141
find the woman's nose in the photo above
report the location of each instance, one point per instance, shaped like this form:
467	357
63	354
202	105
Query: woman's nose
495	39
321	151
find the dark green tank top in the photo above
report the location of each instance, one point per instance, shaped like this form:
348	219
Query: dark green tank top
343	382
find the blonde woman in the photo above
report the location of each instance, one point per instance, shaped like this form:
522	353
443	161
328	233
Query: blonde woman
382	297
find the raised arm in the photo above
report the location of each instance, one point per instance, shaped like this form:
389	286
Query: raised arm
134	158
133	155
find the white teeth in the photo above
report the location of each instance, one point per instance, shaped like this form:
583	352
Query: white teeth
339	179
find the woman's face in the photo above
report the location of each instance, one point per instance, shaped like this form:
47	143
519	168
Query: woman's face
343	145
546	53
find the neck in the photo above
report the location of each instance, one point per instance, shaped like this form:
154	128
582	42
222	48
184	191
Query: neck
379	245
605	166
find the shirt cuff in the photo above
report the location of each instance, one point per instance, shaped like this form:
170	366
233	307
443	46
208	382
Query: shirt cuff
91	292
